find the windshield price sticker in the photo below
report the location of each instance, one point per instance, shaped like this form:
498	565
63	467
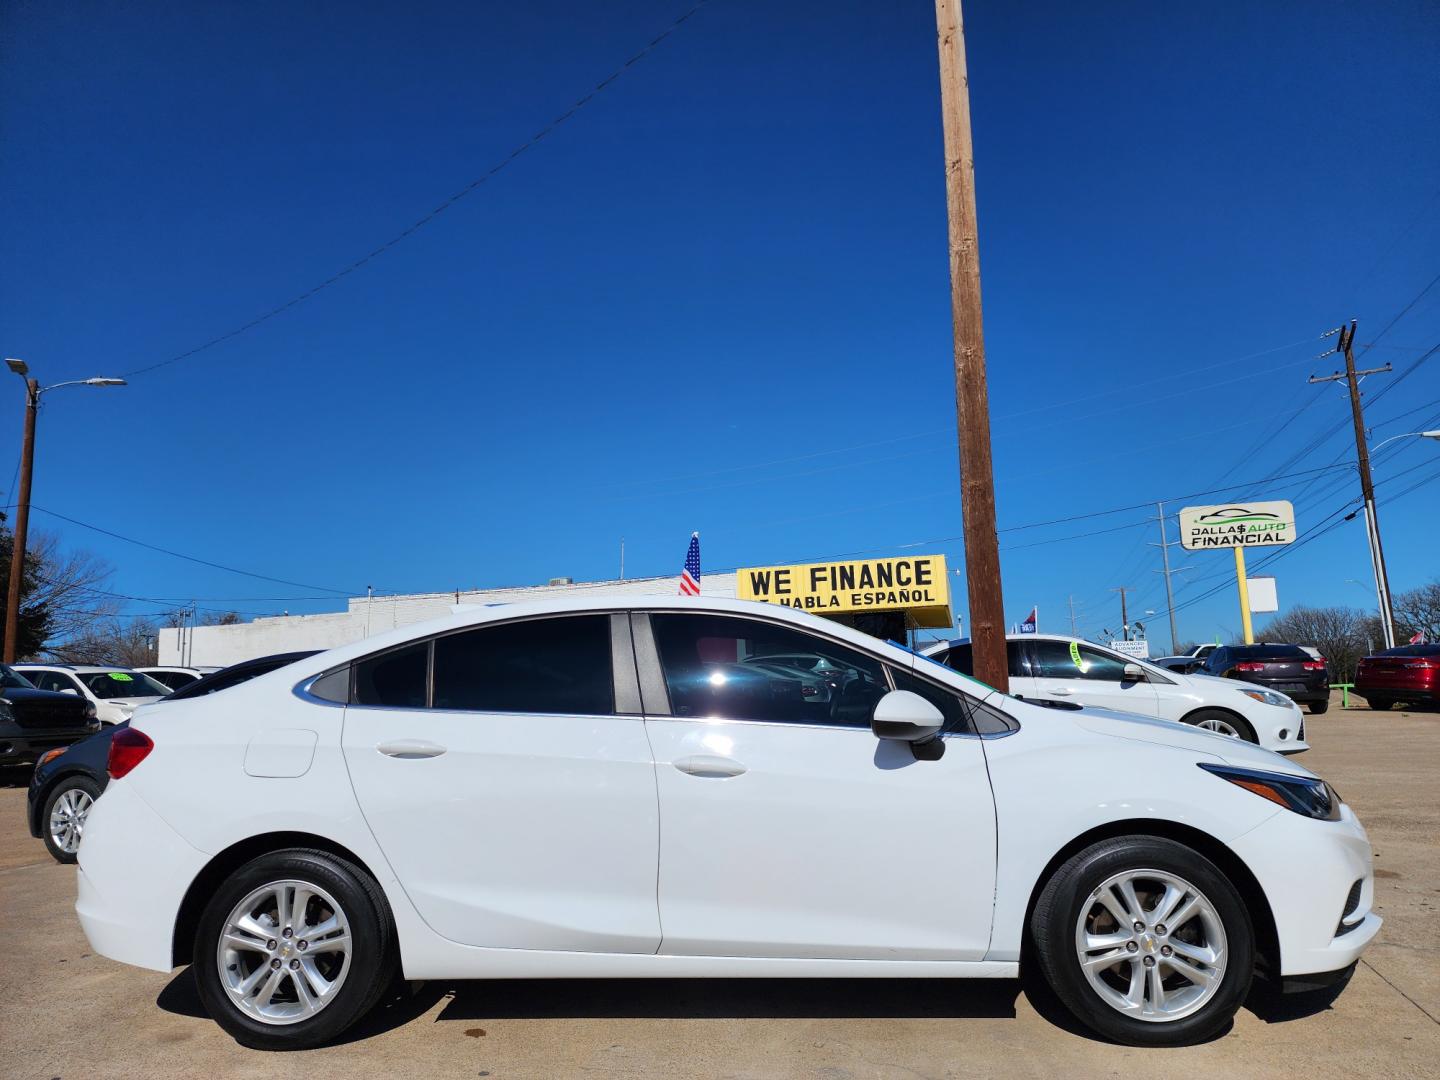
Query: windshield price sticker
120	676
1257	524
1075	654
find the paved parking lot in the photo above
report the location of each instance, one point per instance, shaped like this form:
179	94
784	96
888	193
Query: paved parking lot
65	1013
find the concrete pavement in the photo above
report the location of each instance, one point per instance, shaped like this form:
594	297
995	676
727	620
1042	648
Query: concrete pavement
65	1012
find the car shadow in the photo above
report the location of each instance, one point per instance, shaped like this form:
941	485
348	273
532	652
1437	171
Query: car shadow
735	999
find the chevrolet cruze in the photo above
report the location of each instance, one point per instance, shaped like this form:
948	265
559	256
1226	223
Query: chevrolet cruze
621	788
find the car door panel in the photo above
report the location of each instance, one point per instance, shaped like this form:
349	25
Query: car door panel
514	829
817	840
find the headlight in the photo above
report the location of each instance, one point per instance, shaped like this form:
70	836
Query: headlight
1308	796
90	712
1269	697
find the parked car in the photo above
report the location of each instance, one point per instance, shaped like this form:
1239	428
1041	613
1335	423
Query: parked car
1181	664
1407	675
115	692
68	780
535	790
1053	668
34	721
1287	669
177	677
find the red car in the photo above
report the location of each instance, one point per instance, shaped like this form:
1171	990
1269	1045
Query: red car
1409	674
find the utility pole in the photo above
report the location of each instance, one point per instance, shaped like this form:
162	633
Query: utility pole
1124	617
1072	615
1346	345
972	404
22	522
1164	547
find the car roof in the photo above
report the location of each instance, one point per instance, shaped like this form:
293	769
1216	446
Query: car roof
83	669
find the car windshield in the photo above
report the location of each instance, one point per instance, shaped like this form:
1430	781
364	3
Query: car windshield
122	684
10	679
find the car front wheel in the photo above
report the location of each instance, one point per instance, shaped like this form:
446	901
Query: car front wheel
1145	941
1222	723
293	948
66	809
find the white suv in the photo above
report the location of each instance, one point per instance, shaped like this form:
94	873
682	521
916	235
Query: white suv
1051	668
116	692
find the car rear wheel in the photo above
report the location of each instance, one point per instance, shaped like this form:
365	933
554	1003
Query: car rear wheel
66	809
1222	723
1319	708
1380	704
1145	941
292	949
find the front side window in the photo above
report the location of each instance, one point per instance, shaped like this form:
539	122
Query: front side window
396	678
744	669
539	666
1071	660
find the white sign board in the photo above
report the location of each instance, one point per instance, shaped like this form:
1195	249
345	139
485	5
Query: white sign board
1263	596
1256	524
1138	649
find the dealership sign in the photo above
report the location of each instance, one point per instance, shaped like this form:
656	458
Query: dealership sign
1256	524
916	584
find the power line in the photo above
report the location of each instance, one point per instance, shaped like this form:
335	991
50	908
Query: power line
433	214
192	558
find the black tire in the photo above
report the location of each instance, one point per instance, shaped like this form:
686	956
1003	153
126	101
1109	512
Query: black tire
370	963
1319	708
1070	894
82	786
1201	716
1378	703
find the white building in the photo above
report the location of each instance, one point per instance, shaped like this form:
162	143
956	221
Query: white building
225	645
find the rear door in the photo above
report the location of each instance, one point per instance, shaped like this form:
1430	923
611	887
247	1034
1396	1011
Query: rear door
505	772
1086	675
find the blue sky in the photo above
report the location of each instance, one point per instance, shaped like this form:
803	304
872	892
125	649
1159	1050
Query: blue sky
717	297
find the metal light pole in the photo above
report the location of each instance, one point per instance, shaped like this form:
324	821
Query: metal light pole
33	392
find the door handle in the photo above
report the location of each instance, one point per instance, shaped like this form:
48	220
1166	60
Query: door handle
1062	691
410	749
709	765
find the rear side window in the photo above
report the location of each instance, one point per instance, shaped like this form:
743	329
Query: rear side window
539	666
395	678
961	658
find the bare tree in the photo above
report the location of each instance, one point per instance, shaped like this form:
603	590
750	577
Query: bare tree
111	640
1418	612
1340	633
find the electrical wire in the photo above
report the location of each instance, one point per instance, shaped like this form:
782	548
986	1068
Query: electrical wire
420	223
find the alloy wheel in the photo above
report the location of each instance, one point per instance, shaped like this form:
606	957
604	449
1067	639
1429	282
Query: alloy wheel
1151	945
67	819
284	952
1219	726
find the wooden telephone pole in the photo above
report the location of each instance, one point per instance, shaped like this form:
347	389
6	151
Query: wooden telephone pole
972	402
1367	489
1124	612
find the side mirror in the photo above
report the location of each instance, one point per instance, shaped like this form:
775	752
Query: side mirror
903	716
1134	673
71	691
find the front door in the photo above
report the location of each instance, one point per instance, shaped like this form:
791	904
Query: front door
787	828
515	803
1085	675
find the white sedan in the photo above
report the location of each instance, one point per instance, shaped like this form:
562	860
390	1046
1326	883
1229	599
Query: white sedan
604	788
1054	668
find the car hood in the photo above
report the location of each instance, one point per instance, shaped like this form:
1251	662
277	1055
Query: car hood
130	702
1213	681
17	694
1123	725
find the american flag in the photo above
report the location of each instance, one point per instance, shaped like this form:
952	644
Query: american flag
690	576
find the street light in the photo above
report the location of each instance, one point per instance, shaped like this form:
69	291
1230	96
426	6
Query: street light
1408	435
33	393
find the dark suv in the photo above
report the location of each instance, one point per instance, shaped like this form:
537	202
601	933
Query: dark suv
1288	669
33	721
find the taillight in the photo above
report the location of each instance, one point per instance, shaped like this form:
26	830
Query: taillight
127	749
1249	667
1314	665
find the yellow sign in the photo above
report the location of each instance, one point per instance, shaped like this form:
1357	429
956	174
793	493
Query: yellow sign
916	584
